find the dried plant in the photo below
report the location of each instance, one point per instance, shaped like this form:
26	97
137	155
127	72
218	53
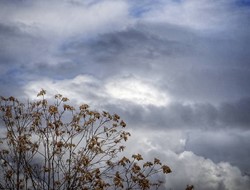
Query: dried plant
58	146
190	187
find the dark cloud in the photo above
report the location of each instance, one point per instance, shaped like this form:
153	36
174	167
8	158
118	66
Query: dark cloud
9	35
176	115
19	50
236	114
116	52
190	66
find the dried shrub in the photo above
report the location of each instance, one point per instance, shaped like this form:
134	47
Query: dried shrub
58	146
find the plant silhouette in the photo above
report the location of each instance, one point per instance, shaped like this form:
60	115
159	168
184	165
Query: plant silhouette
53	145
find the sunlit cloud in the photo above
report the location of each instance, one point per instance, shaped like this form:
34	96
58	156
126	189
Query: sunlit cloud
90	89
137	91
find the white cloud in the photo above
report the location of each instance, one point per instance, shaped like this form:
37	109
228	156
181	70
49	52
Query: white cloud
202	14
64	18
205	174
187	167
81	89
92	90
42	28
136	91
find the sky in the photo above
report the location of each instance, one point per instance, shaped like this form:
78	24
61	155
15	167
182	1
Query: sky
177	71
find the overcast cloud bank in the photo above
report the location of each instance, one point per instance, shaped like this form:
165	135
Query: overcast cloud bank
177	71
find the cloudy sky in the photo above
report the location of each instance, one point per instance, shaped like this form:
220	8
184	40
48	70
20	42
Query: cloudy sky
177	71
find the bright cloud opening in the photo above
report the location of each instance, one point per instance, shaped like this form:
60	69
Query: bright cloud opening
136	91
